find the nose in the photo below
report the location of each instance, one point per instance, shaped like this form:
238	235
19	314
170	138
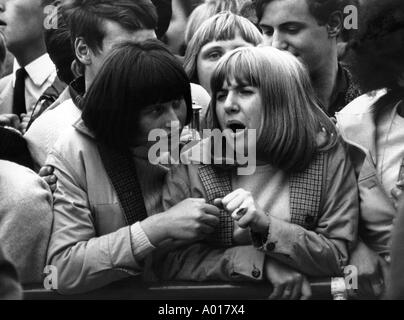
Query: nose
278	41
231	103
171	119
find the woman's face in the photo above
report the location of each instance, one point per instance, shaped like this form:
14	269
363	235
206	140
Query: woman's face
239	108
167	116
209	56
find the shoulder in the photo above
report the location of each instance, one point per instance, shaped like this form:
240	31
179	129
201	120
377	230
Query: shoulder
18	182
5	81
53	122
363	103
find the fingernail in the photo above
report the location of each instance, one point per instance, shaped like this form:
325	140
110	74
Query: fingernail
241	212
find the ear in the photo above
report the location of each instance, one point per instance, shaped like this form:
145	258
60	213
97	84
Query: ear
83	52
335	24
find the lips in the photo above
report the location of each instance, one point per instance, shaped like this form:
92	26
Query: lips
235	125
2	23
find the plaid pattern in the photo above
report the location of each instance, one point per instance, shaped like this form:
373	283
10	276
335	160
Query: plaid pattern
305	193
217	184
305	190
121	171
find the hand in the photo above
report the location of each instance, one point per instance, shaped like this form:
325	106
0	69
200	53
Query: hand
25	119
370	271
9	120
397	194
287	283
191	219
243	208
46	173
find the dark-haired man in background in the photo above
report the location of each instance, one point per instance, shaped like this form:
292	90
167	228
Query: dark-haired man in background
95	28
309	29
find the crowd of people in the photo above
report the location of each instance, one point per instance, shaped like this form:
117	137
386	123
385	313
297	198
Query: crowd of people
86	84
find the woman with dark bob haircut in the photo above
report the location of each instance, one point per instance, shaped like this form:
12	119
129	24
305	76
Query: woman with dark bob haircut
301	202
107	205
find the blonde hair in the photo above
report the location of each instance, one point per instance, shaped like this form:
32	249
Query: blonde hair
207	10
223	26
292	117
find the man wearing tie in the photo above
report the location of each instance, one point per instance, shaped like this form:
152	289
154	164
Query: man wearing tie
22	26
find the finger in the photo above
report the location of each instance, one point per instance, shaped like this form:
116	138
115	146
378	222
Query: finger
206	229
211	220
210	209
235	203
306	290
396	193
245	221
231	196
239	213
45	171
297	290
277	292
287	293
199	201
400	183
218	203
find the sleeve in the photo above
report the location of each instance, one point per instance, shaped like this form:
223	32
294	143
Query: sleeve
10	288
323	251
85	261
199	261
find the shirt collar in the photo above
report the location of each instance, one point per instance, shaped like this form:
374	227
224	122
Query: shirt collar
38	70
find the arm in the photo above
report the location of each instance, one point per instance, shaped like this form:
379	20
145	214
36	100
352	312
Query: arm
85	261
323	251
198	261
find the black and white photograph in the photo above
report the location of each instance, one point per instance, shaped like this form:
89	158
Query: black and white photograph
202	154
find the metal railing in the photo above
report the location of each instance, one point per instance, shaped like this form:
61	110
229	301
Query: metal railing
134	289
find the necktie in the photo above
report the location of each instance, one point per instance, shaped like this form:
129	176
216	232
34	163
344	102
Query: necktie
19	92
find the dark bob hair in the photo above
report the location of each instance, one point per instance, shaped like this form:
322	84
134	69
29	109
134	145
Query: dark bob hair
134	75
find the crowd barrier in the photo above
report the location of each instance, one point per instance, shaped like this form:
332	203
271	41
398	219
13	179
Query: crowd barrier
134	289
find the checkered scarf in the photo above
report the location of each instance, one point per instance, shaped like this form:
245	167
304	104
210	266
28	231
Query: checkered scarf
305	190
122	173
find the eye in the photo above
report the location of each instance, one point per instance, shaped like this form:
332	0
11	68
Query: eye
156	109
221	96
292	29
267	31
246	91
214	55
176	104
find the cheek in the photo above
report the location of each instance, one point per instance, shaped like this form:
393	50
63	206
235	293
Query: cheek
182	114
204	71
220	114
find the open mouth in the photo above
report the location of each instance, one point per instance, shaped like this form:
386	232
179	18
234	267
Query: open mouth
2	23
235	126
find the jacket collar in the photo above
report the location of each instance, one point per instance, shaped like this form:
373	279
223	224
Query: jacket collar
82	128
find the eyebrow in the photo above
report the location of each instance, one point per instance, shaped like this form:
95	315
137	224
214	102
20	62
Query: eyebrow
263	25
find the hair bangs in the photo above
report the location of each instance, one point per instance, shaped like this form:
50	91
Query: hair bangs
235	66
160	82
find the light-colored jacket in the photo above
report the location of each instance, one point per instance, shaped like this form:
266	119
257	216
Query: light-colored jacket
91	245
25	220
322	251
357	125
